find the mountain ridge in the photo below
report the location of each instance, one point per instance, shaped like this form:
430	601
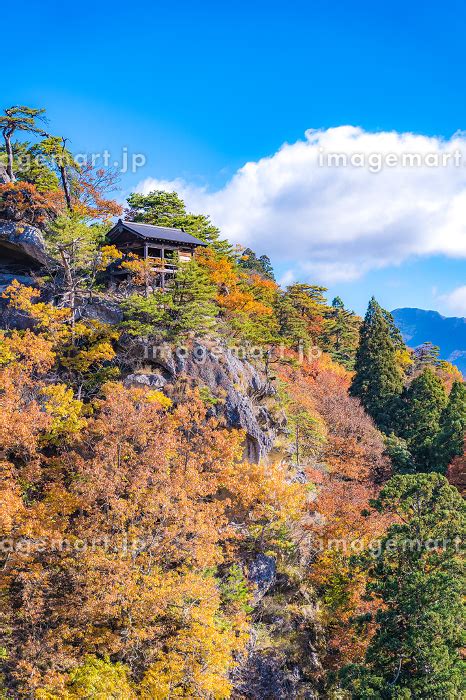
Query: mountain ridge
419	326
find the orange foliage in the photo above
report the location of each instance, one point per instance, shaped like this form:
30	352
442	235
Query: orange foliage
125	514
346	471
244	299
449	374
90	188
22	202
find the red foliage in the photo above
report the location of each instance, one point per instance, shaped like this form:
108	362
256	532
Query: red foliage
456	473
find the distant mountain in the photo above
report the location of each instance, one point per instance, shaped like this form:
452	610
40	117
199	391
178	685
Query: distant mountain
418	326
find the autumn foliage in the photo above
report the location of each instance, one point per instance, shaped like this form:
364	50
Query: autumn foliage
21	201
348	466
135	510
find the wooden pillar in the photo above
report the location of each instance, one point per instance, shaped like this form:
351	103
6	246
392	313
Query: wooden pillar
162	254
145	251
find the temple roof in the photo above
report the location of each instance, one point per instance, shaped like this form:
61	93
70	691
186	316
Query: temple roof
159	233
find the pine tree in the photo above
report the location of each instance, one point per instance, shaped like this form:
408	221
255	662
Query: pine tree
426	355
168	209
191	308
415	650
249	261
185	307
450	438
378	380
302	312
341	333
422	405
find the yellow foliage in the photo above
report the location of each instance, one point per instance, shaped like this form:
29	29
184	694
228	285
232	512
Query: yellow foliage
66	413
31	351
50	320
159	398
201	655
404	359
108	255
163	499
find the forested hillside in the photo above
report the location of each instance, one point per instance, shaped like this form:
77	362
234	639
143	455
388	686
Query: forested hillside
214	488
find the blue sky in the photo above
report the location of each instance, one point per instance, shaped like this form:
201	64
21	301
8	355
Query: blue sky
203	88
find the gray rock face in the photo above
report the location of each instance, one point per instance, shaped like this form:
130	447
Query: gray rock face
6	278
152	380
22	247
4	177
262	573
238	389
102	310
264	676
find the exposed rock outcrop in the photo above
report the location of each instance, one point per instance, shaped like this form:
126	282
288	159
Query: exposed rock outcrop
4	177
238	390
103	310
262	573
22	250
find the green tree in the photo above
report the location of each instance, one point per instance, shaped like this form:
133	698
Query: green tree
301	311
186	306
60	159
168	209
418	581
422	405
75	245
426	355
29	166
341	333
399	453
249	261
378	380
19	118
449	442
192	307
143	315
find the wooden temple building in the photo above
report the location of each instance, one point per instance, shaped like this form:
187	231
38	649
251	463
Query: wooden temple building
165	246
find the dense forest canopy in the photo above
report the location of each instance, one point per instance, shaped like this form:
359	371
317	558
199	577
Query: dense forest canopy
282	521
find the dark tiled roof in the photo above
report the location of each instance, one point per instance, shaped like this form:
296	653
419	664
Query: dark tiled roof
175	235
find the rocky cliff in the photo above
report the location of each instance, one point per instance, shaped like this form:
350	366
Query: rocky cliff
232	387
22	251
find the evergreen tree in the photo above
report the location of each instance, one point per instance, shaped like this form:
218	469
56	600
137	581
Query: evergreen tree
249	261
29	166
143	315
168	209
400	455
192	308
449	442
426	355
341	333
378	379
418	581
422	405
19	118
302	311
395	333
186	306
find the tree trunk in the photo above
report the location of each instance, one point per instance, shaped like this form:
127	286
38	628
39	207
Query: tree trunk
66	187
67	260
9	152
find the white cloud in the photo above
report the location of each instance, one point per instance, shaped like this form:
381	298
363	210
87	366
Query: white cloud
336	223
456	301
